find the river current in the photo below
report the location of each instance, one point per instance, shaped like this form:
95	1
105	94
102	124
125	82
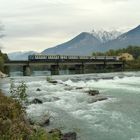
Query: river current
117	118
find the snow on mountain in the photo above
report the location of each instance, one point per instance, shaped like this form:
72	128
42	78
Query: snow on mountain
131	37
105	36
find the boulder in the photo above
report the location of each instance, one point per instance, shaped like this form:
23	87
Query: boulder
53	81
2	75
38	89
96	98
45	122
93	92
79	88
36	101
69	136
56	132
55	98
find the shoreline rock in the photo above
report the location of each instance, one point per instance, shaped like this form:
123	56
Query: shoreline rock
69	136
2	75
65	136
96	99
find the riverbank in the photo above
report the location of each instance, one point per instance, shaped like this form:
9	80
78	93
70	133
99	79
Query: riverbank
15	125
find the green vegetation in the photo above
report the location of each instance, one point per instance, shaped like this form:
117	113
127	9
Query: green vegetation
129	65
14	124
19	92
3	58
133	65
134	50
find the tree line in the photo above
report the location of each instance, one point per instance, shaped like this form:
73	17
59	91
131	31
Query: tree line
133	50
3	58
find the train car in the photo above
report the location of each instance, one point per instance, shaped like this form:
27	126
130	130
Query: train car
73	57
111	58
84	57
63	57
37	57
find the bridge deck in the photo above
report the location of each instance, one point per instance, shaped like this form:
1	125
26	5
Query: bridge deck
61	62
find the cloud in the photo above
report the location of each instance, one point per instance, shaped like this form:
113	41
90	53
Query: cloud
115	0
46	23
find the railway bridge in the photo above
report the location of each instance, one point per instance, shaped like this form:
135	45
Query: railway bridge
80	66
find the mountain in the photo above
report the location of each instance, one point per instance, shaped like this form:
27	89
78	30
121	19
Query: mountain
83	44
20	55
86	43
131	37
105	36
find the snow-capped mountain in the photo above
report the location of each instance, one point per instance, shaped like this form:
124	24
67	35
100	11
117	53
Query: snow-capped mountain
97	41
86	43
131	37
105	36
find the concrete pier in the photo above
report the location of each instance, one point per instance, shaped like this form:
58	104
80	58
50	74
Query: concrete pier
26	71
54	69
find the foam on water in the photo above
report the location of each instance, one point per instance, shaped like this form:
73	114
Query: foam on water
111	119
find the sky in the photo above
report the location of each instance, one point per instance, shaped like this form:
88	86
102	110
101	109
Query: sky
40	24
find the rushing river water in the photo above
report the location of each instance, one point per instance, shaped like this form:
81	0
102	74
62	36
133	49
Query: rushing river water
117	118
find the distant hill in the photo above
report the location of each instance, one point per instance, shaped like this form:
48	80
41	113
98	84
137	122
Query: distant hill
20	55
86	43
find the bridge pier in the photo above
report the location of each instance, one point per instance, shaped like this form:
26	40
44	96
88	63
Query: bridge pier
26	71
54	69
79	69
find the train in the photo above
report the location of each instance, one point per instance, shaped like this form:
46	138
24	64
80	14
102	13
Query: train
42	57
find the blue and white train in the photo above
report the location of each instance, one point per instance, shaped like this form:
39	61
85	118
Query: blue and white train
41	57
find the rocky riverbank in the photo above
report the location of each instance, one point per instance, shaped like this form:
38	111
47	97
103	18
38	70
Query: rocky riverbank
15	125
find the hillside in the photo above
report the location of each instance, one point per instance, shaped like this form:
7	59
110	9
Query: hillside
83	44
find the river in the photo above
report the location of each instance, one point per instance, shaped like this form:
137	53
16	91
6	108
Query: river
117	118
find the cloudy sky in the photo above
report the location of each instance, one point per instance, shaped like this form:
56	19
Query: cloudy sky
40	24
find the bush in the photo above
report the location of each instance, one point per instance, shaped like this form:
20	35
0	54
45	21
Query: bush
19	92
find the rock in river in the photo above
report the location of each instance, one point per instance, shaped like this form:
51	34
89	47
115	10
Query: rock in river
36	101
38	89
93	92
53	81
96	98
